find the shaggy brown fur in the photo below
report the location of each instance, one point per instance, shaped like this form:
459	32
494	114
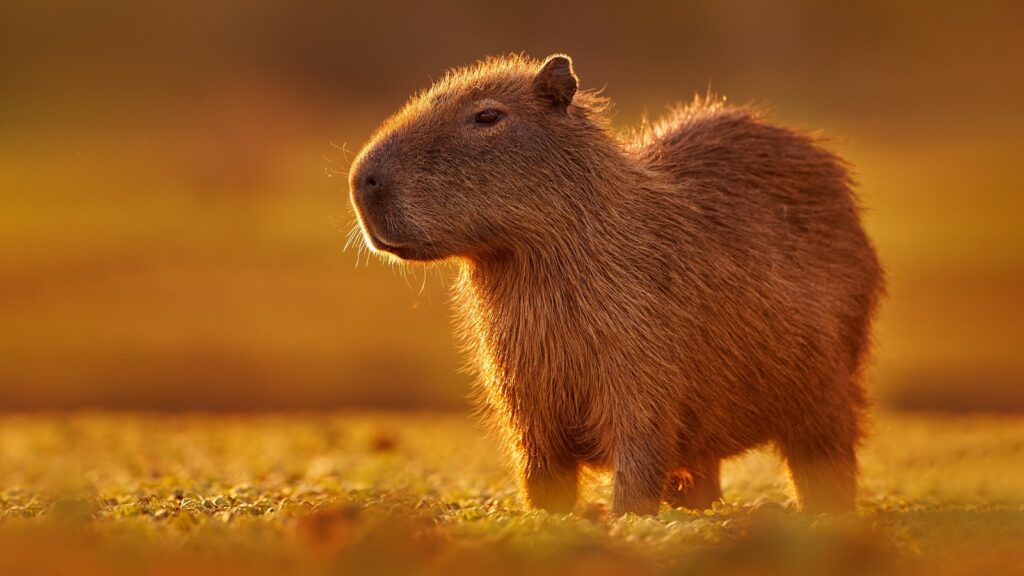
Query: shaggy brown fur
651	303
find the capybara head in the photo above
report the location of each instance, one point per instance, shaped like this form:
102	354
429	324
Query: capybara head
475	163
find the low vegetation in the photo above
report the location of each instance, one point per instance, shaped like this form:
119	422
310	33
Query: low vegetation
428	494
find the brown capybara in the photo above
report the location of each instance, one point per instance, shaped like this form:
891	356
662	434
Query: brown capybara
650	303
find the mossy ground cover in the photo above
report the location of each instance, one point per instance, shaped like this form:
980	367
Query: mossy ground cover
368	493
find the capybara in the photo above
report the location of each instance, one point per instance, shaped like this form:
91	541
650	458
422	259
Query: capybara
651	302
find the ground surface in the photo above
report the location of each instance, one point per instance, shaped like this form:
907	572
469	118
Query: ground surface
390	494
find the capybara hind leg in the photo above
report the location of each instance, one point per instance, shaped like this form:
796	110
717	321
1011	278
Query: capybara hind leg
552	486
695	488
824	471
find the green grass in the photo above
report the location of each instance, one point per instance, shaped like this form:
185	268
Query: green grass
400	493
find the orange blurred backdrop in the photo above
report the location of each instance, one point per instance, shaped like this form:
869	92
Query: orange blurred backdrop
174	198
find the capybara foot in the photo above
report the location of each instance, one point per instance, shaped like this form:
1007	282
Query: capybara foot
696	488
635	504
552	487
825	477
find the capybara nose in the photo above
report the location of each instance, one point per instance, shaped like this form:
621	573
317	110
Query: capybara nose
369	184
373	184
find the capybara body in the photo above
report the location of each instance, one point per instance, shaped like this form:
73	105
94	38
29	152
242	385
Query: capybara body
650	303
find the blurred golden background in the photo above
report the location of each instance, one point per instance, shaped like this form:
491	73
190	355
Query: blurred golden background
174	198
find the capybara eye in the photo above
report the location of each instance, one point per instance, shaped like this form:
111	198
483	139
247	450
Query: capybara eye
488	117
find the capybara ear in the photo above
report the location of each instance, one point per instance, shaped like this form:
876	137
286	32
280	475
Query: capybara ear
556	82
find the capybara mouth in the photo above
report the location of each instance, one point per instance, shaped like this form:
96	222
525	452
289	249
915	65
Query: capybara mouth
374	234
379	244
403	251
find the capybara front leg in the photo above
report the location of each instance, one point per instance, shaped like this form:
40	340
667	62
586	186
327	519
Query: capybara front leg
824	472
551	484
639	478
696	487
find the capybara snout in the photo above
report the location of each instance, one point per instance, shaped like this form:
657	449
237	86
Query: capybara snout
652	302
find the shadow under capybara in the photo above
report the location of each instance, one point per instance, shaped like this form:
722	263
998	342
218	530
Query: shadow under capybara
650	303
